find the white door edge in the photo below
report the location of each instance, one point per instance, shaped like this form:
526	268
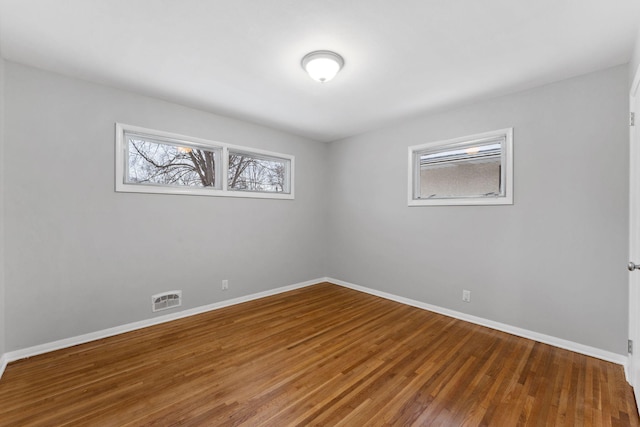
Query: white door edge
633	372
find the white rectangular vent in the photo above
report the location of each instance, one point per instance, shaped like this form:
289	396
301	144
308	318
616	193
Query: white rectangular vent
166	300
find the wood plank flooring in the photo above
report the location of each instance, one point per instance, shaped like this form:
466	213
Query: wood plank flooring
322	355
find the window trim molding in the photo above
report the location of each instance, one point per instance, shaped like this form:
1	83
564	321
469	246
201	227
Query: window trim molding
222	147
507	161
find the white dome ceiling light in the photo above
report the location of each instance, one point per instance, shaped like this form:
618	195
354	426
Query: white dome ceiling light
322	65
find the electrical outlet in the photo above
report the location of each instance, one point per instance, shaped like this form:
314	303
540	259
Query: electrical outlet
466	295
225	285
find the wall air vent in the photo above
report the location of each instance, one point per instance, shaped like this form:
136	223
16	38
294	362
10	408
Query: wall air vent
166	300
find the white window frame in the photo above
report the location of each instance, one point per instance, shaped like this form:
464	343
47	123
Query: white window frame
506	178
121	157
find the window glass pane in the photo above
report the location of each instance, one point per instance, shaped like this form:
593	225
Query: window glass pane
159	163
468	171
252	172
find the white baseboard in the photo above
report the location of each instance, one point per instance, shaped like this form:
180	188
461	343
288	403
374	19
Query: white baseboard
81	339
3	364
513	330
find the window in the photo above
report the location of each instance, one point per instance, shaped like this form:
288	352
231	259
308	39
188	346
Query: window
472	170
161	162
149	161
252	172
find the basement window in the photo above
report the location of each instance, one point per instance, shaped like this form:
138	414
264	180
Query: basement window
150	161
472	170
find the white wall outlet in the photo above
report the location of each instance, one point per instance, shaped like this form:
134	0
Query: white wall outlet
225	285
466	295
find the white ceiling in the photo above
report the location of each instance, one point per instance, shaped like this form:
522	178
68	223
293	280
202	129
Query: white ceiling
241	58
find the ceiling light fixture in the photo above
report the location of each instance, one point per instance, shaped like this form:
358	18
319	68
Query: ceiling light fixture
322	65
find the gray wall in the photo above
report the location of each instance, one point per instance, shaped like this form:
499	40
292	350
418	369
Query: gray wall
635	59
553	263
82	258
2	293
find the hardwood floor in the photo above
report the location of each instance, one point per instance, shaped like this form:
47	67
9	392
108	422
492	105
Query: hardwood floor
322	355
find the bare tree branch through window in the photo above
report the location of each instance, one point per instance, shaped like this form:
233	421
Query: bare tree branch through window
155	163
254	173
